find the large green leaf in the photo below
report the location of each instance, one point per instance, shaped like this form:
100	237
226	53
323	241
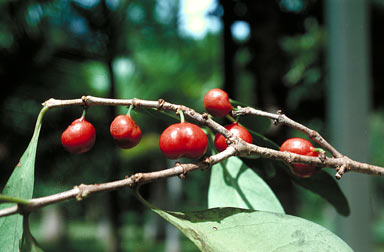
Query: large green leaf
234	229
19	185
321	183
233	184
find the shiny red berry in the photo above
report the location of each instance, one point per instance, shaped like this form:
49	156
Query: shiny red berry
302	147
125	131
79	137
216	102
183	140
235	129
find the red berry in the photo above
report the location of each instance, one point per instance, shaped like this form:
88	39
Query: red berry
79	137
216	102
183	140
302	147
125	131
235	129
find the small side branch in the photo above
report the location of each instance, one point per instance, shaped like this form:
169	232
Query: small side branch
280	118
83	191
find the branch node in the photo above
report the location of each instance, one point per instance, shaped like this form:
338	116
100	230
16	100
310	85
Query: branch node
341	170
313	134
83	192
85	101
136	178
184	173
205	116
134	103
161	104
207	161
322	156
276	121
47	102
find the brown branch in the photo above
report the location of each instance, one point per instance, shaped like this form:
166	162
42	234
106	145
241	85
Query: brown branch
237	147
280	118
338	161
82	191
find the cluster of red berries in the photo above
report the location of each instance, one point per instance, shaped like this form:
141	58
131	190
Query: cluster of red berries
80	136
181	139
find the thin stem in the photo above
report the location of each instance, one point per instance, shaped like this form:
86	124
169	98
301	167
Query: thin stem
40	117
230	118
5	198
142	200
84	112
129	110
182	119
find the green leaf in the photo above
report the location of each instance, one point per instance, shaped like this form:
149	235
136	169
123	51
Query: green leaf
233	184
29	243
19	185
233	230
323	184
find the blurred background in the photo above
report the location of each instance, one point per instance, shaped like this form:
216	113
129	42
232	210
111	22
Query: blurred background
317	61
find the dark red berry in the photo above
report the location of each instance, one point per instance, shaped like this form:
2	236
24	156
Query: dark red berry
125	131
216	102
183	140
79	137
235	129
302	147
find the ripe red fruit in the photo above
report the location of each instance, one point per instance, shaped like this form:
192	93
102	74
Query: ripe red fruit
183	140
79	137
236	130
125	131
216	102
302	147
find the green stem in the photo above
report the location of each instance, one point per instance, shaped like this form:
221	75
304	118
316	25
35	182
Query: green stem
84	112
30	242
142	200
319	150
230	118
40	117
182	119
5	198
129	110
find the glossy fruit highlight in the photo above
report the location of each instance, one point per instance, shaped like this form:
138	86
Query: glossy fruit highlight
79	137
235	129
125	131
216	102
183	140
302	147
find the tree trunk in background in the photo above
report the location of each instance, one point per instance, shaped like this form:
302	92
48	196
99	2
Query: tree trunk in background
348	110
114	207
228	52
